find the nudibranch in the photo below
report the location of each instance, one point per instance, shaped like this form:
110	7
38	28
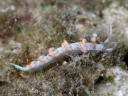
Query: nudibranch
66	48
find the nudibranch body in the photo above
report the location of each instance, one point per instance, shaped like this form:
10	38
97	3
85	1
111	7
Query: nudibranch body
55	55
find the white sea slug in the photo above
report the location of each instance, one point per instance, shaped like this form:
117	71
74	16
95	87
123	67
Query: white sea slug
66	48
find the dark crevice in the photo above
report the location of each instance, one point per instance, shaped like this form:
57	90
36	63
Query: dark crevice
100	80
126	59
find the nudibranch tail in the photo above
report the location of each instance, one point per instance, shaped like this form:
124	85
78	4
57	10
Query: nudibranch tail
19	67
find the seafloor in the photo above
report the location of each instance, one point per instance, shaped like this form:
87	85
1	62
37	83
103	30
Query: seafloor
29	27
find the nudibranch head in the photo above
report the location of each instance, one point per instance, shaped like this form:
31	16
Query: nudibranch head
94	35
93	39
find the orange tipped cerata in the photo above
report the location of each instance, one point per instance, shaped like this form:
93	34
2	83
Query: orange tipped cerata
82	43
65	43
51	52
41	58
